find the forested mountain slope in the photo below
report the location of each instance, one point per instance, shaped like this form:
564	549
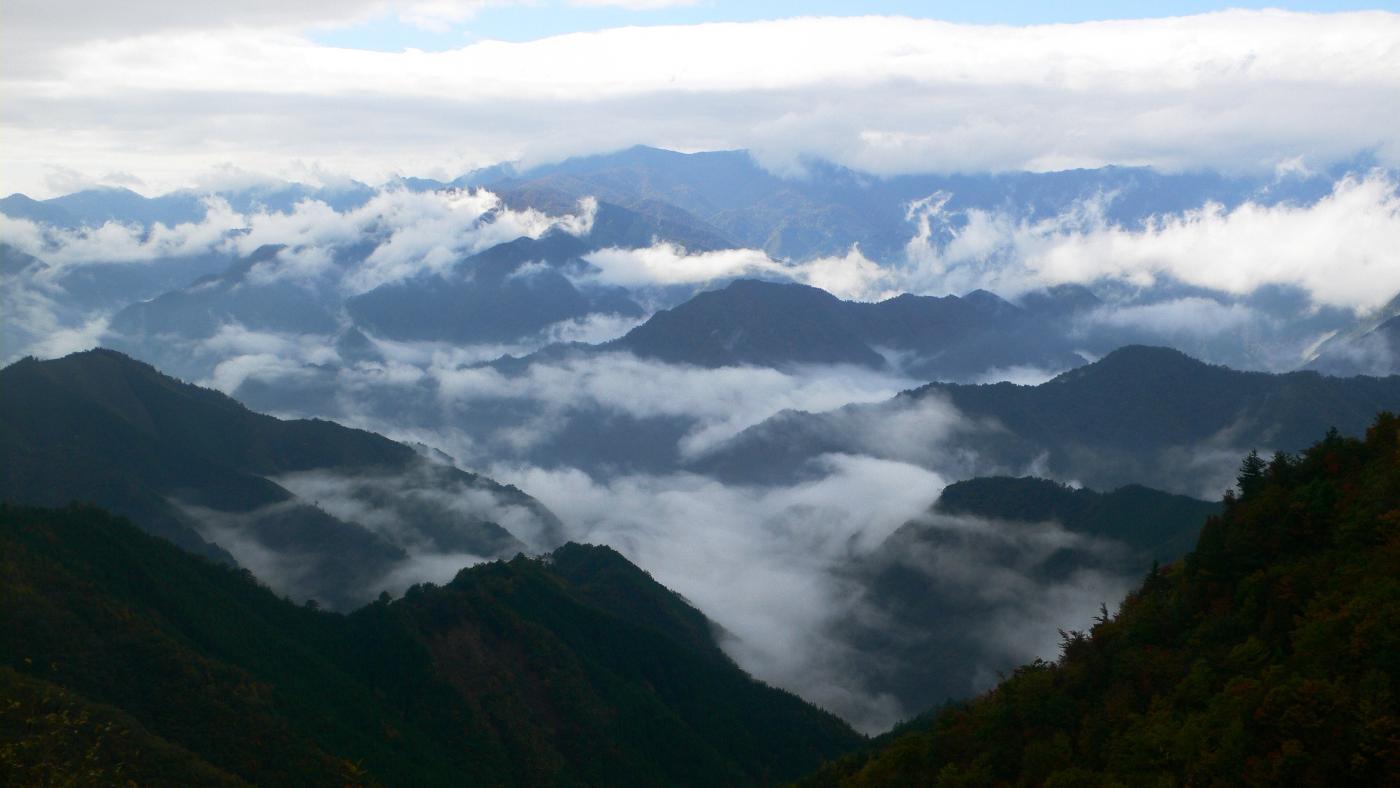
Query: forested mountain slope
1268	656
196	467
123	658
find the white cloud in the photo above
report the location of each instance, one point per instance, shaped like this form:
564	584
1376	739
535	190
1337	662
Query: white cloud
412	233
416	232
51	22
1235	89
1183	317
758	561
1341	249
62	341
851	276
722	401
114	242
594	329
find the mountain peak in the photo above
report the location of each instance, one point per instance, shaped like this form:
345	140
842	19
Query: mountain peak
1140	361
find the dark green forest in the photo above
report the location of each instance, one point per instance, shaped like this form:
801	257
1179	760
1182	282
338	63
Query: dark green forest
125	660
1268	656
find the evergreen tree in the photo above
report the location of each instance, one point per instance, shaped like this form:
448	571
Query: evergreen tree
1251	472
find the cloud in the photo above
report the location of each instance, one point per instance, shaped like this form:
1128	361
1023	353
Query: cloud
1233	90
1340	250
114	242
785	572
426	510
410	232
59	22
721	402
757	561
988	594
850	277
1194	316
594	329
63	341
413	232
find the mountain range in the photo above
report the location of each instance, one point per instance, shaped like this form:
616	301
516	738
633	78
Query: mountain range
318	509
1139	415
909	495
822	210
533	289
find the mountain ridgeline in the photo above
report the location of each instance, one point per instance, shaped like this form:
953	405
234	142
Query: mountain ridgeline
1268	656
317	509
777	325
125	660
1146	415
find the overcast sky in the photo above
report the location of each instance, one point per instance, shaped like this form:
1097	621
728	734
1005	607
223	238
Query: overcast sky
155	95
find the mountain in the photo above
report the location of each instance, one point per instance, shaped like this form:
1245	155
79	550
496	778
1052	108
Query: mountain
1157	526
95	207
783	324
508	292
152	666
1266	657
234	295
512	290
823	209
991	555
1140	414
22	206
317	509
1370	347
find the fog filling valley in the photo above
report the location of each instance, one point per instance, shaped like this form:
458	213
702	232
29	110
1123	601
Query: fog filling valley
614	443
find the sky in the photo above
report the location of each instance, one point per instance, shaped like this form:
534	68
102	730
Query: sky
509	21
156	95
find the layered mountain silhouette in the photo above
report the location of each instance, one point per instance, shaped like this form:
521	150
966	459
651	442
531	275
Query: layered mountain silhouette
507	292
827	208
318	509
529	291
128	660
1141	414
1264	657
783	324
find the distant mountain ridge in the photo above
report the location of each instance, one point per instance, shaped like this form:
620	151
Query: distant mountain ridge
1140	414
782	324
826	208
823	210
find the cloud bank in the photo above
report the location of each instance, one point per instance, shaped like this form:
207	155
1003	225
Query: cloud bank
1341	249
1231	90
